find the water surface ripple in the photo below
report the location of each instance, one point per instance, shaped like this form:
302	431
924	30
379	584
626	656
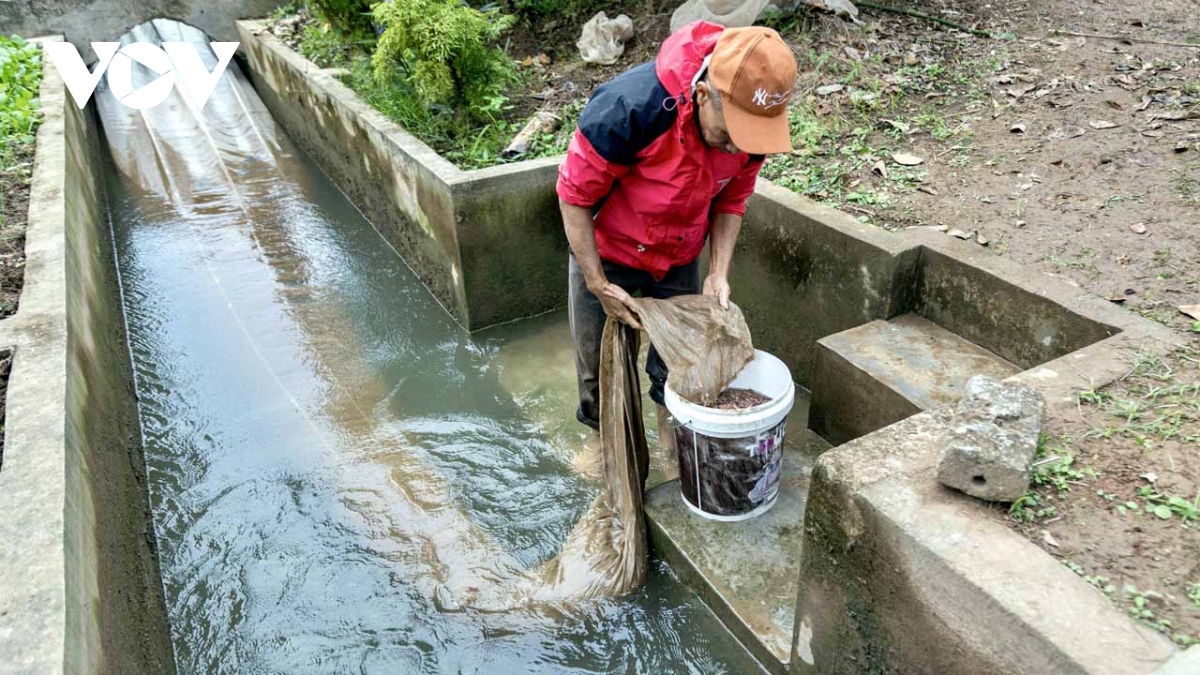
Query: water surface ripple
334	464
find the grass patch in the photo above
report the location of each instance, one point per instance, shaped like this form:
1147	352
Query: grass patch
1121	493
862	100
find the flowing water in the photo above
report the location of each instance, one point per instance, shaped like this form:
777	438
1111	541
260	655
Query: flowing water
342	478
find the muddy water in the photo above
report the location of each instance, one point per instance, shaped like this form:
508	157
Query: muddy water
343	481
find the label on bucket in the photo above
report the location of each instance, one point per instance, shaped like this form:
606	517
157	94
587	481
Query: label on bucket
770	450
729	477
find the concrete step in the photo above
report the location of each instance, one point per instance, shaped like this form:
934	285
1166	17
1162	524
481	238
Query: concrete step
879	373
746	572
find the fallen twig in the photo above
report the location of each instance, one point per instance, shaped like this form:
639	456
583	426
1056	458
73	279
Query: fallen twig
1127	38
919	15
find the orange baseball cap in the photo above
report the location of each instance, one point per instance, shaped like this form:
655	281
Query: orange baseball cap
755	72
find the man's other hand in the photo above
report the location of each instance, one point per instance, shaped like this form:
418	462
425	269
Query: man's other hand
617	303
718	286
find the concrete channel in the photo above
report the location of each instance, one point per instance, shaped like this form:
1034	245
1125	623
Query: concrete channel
872	566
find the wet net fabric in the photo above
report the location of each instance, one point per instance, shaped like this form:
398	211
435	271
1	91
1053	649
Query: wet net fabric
704	347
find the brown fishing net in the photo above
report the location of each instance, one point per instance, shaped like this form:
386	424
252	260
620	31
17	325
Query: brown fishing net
703	345
704	348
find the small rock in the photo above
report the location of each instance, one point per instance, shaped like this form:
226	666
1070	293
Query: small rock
906	159
1018	128
829	89
980	239
859	96
990	448
1103	124
1138	228
961	234
1066	133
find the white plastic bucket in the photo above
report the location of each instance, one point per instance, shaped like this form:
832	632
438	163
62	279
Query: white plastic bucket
730	460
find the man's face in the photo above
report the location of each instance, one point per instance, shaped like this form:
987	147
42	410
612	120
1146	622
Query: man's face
712	119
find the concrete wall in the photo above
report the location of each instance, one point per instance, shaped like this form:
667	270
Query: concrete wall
511	241
900	574
488	244
802	271
80	590
1004	313
86	21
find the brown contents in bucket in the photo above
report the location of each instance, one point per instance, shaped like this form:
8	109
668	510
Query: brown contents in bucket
740	399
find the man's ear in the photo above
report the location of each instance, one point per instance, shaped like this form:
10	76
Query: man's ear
702	93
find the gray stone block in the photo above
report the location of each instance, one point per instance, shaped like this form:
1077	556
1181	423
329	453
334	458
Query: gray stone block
990	447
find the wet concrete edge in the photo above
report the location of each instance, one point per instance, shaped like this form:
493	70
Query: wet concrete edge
80	589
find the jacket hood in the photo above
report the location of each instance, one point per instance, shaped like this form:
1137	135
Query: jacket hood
683	54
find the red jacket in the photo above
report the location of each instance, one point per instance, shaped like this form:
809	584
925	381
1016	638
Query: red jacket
639	162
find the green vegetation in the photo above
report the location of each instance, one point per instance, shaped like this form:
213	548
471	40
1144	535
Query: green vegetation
443	49
1165	505
1150	414
350	17
20	79
434	67
1054	471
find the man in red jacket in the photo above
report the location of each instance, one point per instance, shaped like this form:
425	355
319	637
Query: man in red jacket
664	158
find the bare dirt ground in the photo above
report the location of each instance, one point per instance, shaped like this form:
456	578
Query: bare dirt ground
14	212
1117	492
1075	155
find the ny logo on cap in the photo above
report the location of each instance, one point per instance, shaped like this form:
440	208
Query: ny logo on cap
767	100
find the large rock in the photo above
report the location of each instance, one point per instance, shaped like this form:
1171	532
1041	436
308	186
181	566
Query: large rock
990	448
603	39
728	13
738	13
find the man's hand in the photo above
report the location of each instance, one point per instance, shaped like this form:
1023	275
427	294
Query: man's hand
717	285
617	303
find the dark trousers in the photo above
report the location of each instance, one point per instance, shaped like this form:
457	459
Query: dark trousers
587	326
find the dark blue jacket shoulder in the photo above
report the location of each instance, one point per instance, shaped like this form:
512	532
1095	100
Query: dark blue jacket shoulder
626	114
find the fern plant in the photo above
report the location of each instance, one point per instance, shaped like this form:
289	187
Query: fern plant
445	49
350	17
